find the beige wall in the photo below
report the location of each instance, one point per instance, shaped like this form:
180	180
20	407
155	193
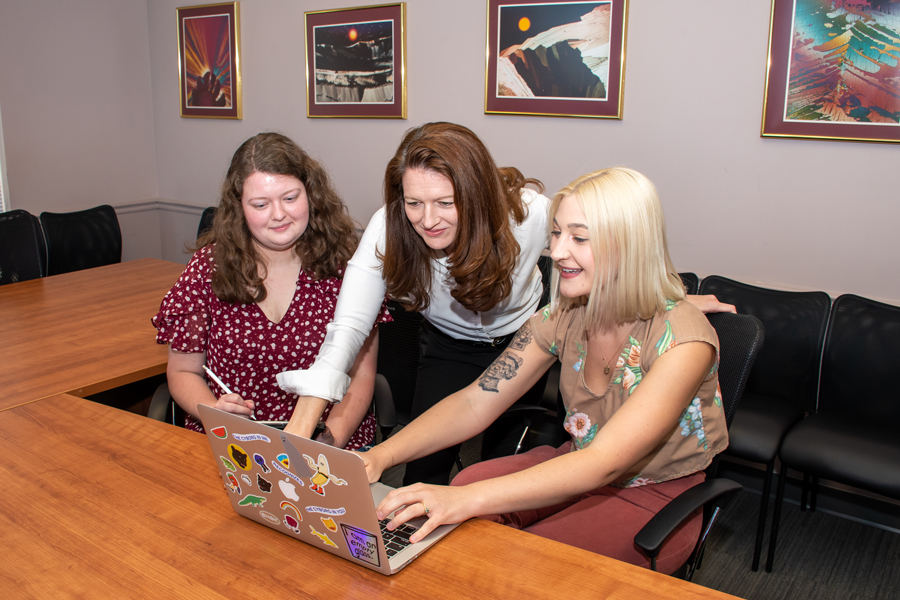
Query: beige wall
797	213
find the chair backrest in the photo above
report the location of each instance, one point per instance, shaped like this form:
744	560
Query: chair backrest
545	264
788	367
740	340
81	240
860	360
398	357
21	247
691	283
206	220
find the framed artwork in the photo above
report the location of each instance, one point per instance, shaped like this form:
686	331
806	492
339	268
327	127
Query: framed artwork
552	58
356	62
834	70
209	61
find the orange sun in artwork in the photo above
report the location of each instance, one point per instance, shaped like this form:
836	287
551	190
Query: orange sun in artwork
353	35
524	24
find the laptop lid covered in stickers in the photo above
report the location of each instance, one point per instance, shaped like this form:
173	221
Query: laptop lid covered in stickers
305	489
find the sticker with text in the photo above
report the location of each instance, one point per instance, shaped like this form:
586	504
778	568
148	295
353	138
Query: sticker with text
334	512
362	544
269	517
251	437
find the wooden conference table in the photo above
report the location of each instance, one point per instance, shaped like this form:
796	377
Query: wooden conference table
99	503
83	332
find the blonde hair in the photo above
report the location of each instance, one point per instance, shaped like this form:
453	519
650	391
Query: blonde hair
633	272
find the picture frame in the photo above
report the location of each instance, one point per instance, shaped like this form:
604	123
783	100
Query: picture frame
833	72
356	62
556	58
209	61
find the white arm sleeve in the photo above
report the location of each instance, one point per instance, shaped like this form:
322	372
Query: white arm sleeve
360	300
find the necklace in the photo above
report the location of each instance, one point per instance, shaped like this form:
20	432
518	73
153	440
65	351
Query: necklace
606	368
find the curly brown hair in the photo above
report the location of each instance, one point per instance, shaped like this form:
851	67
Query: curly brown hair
323	249
485	250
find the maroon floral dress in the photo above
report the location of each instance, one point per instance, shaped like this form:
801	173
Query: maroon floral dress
243	347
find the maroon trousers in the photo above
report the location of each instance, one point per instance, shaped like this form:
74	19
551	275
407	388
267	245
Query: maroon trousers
604	520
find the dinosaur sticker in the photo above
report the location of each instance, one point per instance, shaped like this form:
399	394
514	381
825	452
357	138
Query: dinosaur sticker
251	500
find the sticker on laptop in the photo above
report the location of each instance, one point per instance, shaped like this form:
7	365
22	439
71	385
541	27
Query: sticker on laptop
228	464
240	457
233	484
292	521
261	461
362	544
334	512
251	500
246	479
321	475
219	432
323	537
264	485
284	459
269	517
329	523
251	437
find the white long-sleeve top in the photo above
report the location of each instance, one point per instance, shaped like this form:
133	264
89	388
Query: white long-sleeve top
363	289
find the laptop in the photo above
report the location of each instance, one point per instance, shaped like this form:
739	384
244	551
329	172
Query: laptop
309	491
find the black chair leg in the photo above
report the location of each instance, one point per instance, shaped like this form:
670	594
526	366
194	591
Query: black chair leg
814	492
804	491
763	513
776	518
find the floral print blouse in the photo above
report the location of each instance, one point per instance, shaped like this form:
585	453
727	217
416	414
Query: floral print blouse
243	347
699	435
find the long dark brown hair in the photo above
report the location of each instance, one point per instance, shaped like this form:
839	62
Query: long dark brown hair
484	252
324	248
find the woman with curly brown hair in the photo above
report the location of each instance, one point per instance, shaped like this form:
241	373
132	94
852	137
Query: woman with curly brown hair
258	293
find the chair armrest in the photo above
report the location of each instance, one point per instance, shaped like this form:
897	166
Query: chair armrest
159	405
651	537
385	411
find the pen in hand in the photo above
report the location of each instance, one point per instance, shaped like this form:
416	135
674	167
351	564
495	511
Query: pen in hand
222	385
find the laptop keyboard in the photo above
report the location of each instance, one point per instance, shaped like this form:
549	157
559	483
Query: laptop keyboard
397	540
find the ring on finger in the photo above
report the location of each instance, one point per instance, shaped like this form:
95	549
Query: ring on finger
425	507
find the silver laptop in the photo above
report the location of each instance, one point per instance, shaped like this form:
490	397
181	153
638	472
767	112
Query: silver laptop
309	491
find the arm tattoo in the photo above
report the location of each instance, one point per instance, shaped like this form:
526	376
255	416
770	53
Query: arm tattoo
523	337
504	367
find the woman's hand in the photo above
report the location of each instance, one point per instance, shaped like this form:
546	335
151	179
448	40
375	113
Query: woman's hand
710	304
233	403
377	461
440	503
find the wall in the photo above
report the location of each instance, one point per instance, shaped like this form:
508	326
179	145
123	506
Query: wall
795	213
90	107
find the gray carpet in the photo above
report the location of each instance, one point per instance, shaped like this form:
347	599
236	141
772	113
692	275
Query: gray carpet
819	557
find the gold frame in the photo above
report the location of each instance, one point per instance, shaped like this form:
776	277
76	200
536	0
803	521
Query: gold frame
236	110
777	66
354	110
558	107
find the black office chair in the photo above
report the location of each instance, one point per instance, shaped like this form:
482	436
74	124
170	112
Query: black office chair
852	438
398	364
206	220
784	380
21	247
81	240
691	283
740	339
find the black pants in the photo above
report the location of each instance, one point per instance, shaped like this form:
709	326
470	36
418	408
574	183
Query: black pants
446	366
